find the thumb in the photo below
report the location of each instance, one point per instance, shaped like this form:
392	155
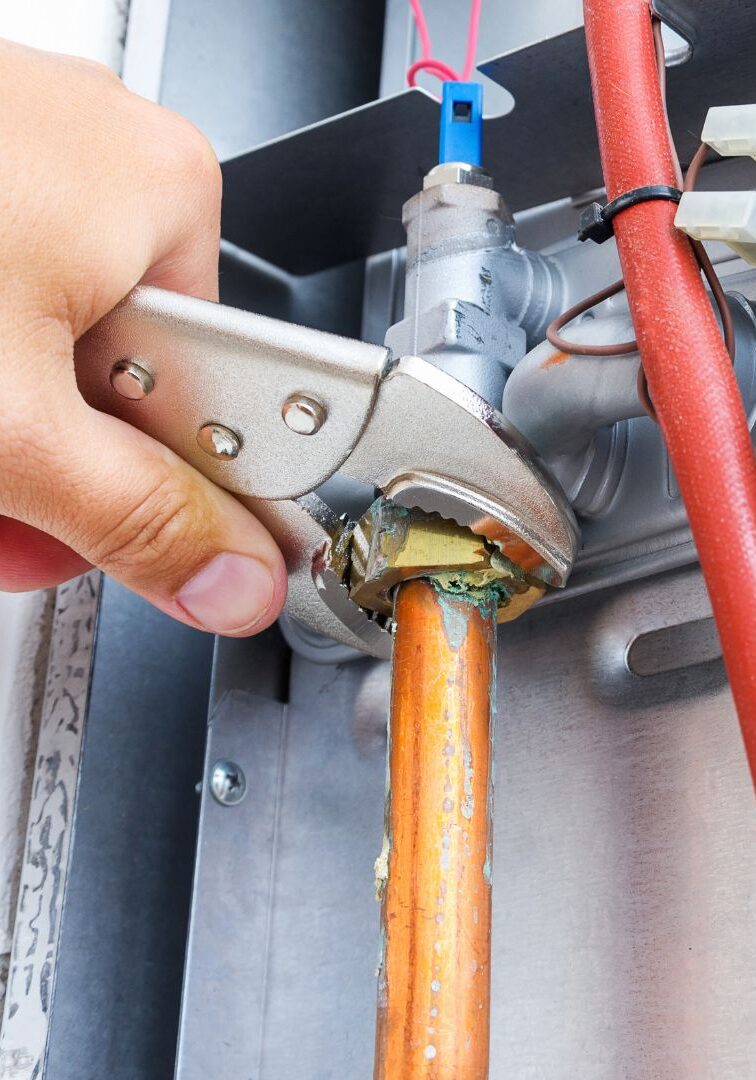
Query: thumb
137	511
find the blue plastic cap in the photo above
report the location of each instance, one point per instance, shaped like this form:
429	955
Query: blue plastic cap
461	123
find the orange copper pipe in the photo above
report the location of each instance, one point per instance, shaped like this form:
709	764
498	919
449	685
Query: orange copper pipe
434	981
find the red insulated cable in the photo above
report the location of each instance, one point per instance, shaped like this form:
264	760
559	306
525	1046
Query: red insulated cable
689	372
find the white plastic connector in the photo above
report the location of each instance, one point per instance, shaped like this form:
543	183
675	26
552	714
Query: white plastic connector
721	215
731	130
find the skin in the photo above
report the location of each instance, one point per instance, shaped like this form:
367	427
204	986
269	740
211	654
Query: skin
100	190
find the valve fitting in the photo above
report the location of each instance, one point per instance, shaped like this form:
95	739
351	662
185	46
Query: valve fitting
474	301
391	544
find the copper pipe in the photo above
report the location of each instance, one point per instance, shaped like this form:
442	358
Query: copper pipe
434	982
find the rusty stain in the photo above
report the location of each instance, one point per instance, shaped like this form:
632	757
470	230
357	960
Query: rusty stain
555	359
434	981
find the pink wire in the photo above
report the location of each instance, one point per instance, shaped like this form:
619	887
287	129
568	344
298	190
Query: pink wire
428	62
438	68
422	28
472	39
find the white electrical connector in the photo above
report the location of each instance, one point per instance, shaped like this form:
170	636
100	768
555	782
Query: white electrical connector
721	215
725	215
731	130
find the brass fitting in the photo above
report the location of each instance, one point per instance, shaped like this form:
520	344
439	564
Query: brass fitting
391	544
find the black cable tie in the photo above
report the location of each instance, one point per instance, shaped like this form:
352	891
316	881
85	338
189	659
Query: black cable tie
596	220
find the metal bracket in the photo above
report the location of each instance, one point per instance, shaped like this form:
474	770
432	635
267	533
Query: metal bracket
368	161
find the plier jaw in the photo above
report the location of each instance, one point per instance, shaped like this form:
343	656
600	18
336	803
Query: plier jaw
271	411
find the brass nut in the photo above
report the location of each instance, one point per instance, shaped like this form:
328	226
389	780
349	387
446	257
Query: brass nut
391	544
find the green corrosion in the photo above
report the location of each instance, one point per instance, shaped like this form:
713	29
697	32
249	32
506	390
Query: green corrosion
457	591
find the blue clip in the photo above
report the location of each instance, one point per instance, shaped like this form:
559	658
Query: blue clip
461	134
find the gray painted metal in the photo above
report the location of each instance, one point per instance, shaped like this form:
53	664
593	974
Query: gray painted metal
45	869
644	528
624	934
565	407
369	161
246	71
362	165
114	1011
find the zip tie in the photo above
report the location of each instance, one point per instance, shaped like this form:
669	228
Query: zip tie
596	220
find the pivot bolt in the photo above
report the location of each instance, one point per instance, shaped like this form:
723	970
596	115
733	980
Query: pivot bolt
130	380
228	783
219	441
303	415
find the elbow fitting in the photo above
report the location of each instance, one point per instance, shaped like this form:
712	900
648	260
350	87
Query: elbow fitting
560	402
569	407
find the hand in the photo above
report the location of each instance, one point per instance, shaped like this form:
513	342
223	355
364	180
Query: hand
100	190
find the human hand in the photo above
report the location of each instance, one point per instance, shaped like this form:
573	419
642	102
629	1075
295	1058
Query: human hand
100	190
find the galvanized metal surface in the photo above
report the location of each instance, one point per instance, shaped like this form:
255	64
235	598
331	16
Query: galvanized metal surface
624	927
26	620
624	889
280	972
114	1006
45	867
368	162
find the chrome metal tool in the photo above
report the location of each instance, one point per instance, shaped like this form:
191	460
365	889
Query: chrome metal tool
271	411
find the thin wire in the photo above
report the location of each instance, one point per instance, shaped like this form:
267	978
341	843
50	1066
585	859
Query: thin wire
472	39
626	347
422	28
437	68
728	330
661	65
570	347
698	159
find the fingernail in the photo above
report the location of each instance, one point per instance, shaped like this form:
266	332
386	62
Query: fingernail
230	594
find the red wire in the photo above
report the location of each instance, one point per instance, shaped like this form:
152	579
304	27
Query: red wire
428	62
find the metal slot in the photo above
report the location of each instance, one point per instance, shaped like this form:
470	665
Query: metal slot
673	647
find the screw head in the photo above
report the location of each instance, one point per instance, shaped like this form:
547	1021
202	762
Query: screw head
228	783
131	380
219	441
303	415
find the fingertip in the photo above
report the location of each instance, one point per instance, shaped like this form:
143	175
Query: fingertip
233	594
